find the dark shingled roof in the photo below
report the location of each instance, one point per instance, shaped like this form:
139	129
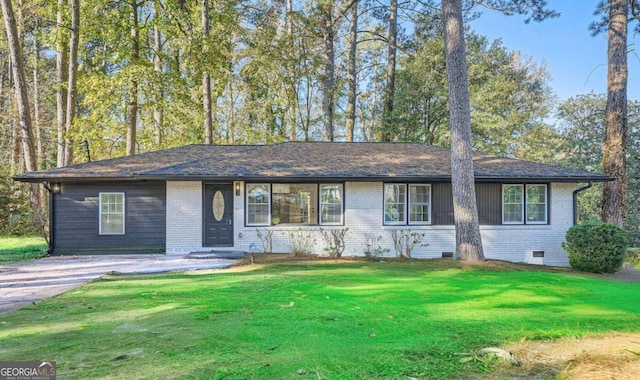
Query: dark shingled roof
302	161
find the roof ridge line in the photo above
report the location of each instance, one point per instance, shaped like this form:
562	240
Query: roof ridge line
205	156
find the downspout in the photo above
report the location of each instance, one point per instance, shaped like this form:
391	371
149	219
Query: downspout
575	200
52	244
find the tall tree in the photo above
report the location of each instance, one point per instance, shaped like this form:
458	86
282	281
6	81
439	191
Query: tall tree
132	106
328	75
158	115
206	80
61	79
353	73
468	238
20	87
72	75
390	87
615	141
465	209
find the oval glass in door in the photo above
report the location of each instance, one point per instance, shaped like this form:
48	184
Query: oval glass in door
218	206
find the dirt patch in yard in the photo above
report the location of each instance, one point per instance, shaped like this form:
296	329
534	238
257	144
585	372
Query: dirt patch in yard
613	356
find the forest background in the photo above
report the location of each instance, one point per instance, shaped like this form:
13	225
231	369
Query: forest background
109	78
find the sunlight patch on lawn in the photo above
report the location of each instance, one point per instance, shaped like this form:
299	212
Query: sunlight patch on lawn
133	314
41	328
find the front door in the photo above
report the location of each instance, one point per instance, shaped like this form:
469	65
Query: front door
218	215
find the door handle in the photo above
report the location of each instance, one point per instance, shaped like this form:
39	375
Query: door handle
230	221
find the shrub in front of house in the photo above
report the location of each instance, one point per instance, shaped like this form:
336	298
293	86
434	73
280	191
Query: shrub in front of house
596	247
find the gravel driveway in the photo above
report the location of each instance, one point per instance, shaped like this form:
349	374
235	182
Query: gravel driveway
24	283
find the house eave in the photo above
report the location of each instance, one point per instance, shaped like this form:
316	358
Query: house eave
308	178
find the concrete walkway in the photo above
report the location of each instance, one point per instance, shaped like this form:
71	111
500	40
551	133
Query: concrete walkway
24	283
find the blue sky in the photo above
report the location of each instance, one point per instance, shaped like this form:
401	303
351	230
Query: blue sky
576	61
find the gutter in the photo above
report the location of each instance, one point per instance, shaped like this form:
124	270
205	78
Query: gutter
575	200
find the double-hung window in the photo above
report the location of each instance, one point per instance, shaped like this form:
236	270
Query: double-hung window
258	204
419	204
111	213
402	209
331	204
524	204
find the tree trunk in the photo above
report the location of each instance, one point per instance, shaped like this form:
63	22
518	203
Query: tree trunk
36	101
73	71
465	209
61	80
292	98
22	102
328	80
615	142
206	81
231	122
389	92
132	107
20	87
353	73
157	67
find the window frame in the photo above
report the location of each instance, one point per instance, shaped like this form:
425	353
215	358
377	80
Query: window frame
101	213
522	203
523	207
546	204
407	204
315	204
246	202
402	222
320	204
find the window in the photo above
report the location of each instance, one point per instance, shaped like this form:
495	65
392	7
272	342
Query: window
258	204
537	204
419	204
394	203
520	209
512	204
331	204
111	213
294	203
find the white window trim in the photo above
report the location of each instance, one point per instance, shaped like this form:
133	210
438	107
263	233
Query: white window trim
246	200
384	203
408	206
522	208
100	213
320	222
546	204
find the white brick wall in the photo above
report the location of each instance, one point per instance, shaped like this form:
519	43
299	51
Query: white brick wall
184	216
363	217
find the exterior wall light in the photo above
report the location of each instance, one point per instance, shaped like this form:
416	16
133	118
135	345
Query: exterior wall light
55	188
237	188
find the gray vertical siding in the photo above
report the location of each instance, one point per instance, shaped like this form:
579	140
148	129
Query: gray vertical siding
488	196
442	209
76	219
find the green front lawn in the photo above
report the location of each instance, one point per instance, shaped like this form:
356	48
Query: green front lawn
18	248
350	320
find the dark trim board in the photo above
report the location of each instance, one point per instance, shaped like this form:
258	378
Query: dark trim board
76	219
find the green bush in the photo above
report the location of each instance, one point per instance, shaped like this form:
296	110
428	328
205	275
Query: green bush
596	247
